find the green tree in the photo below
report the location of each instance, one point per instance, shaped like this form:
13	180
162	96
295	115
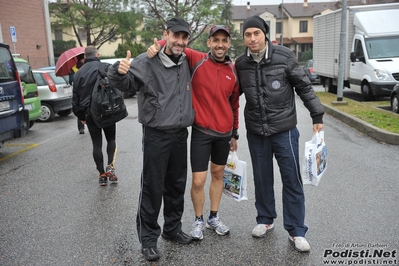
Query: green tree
226	18
198	13
237	43
61	46
305	56
98	21
135	49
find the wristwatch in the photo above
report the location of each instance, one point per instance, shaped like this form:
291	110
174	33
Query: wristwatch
235	135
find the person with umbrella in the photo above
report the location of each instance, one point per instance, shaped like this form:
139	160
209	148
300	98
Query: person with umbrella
81	59
67	65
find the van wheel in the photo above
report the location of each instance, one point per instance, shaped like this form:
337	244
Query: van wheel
64	112
47	114
366	92
331	88
395	104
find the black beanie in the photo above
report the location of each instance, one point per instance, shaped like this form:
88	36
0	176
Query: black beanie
255	22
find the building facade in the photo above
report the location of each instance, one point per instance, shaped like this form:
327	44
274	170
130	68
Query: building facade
30	40
292	23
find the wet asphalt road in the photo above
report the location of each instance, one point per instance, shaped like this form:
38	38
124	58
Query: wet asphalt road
53	211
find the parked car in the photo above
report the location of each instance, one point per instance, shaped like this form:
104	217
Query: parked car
126	94
31	93
308	68
53	68
55	94
14	118
395	99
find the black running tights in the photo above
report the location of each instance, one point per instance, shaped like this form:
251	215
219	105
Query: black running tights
97	140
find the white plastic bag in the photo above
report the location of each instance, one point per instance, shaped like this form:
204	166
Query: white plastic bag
235	178
315	159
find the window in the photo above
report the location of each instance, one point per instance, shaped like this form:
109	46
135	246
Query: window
7	69
82	34
278	27
303	26
58	34
306	47
25	72
358	48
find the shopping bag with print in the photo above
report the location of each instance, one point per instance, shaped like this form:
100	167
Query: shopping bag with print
315	159
235	178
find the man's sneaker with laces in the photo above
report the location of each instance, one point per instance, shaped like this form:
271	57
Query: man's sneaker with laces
260	230
300	243
197	230
103	179
215	224
110	172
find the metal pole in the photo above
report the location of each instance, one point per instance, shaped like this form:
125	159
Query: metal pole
48	33
342	54
282	22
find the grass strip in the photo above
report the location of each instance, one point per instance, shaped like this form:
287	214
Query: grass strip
366	111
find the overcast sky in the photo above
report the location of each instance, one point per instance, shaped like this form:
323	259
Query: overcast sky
273	2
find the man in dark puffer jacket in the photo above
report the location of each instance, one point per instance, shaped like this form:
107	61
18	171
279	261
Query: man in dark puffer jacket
268	75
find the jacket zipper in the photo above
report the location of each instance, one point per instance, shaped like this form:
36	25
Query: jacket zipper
214	100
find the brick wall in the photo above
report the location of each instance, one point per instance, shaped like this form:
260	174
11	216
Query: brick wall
27	16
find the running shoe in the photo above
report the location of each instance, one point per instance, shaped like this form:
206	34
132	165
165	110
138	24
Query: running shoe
197	230
216	224
103	179
260	230
300	243
110	172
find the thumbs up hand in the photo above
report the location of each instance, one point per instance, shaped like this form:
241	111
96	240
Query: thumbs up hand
124	65
153	49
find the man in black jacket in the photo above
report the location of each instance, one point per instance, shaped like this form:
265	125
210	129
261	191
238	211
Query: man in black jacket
268	75
83	84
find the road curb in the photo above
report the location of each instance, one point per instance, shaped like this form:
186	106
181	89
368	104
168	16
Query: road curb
366	128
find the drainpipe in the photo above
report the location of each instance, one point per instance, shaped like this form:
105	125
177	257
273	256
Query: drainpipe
47	25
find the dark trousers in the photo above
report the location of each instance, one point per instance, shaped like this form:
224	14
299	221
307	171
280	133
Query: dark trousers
80	125
164	176
284	146
97	140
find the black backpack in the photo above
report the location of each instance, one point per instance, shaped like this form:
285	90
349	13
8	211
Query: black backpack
107	104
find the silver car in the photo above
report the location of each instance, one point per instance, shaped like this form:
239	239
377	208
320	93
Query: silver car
308	68
55	94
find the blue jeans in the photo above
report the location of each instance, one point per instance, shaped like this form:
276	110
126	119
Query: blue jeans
284	146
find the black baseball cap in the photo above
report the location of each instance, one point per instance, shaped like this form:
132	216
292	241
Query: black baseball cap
216	28
178	24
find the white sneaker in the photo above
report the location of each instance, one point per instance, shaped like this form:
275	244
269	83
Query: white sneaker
197	230
216	224
300	243
261	229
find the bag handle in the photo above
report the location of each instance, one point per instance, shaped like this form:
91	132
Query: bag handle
234	156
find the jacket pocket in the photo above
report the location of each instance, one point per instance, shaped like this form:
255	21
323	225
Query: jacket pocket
277	90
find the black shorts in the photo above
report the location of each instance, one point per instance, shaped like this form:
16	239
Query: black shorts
205	147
